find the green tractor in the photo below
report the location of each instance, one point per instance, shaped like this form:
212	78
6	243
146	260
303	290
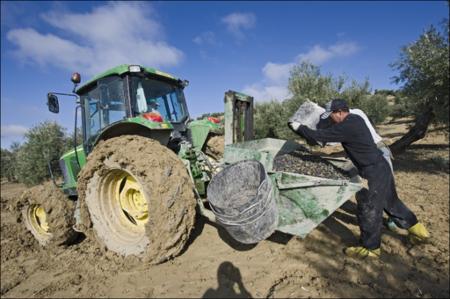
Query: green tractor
144	169
135	181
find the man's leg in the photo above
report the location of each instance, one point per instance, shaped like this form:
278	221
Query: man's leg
403	217
398	212
370	215
387	155
370	209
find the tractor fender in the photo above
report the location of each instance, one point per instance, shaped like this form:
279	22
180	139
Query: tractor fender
130	127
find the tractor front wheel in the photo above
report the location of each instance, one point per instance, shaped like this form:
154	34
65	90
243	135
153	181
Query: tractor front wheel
139	197
48	214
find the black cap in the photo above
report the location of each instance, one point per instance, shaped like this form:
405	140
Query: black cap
334	105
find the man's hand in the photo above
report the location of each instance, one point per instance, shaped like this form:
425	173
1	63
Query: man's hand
294	125
300	131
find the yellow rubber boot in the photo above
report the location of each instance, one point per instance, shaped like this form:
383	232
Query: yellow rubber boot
418	233
362	252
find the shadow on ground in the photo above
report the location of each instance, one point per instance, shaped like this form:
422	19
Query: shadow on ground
401	121
230	284
422	158
225	236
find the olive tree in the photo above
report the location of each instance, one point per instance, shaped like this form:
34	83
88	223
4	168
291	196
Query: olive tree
9	162
43	143
306	82
423	69
375	106
271	120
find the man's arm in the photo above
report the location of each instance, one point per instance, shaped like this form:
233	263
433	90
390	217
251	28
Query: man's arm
335	133
294	126
324	123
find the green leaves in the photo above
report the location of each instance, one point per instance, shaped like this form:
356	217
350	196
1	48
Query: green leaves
271	120
424	71
376	107
27	163
307	82
8	162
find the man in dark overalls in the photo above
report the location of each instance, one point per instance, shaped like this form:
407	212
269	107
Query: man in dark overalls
351	131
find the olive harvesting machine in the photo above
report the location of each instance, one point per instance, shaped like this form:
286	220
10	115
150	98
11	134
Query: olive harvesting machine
144	169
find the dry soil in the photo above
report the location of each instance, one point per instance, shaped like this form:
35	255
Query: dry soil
213	265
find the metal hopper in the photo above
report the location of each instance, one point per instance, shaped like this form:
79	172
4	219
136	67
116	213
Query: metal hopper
303	201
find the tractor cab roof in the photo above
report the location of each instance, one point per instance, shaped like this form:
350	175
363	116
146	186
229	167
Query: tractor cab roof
122	69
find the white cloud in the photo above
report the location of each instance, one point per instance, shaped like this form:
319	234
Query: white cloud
237	22
13	131
262	92
45	49
110	24
277	72
109	35
274	84
206	38
319	55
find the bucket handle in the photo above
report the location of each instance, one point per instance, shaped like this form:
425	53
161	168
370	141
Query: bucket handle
282	186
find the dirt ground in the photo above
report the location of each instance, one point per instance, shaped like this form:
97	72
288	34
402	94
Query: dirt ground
214	265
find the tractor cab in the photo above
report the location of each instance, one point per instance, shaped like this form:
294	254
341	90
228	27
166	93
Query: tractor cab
131	94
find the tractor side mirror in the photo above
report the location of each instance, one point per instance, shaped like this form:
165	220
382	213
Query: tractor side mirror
52	103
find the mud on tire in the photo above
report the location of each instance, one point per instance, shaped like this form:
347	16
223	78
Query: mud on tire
138	197
48	214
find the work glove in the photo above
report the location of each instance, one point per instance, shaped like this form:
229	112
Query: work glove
294	125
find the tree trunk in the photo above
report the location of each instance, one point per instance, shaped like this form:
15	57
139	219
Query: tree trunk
417	132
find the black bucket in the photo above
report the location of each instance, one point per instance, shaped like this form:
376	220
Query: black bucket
243	199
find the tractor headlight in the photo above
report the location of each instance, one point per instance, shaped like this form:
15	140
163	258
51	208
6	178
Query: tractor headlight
134	68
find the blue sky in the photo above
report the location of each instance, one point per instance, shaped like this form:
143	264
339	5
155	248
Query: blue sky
217	46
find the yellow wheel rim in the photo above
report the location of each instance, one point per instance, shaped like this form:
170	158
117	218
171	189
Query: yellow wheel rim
38	219
128	193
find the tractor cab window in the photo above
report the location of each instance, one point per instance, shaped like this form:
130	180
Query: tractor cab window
104	105
150	95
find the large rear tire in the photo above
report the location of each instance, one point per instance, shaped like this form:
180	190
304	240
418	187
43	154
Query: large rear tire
48	214
139	197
